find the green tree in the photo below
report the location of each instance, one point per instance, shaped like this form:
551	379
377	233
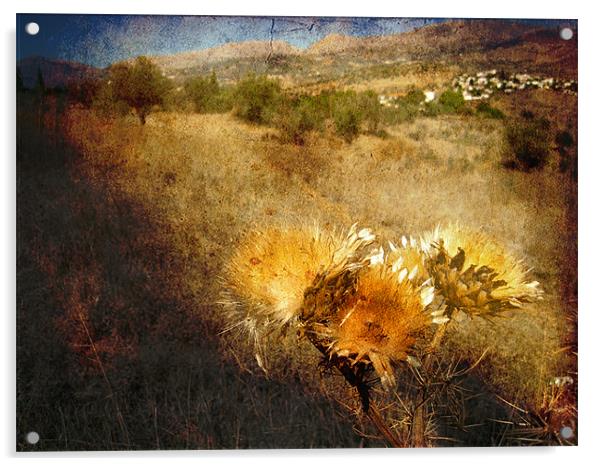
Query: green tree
141	85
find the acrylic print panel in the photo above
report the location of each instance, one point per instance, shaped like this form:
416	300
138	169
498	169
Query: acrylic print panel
270	232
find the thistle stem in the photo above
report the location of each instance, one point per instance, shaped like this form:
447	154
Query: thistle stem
355	377
418	428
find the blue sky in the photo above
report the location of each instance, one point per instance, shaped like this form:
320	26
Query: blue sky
100	40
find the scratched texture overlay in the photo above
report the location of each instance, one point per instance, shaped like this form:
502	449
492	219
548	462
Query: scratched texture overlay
295	232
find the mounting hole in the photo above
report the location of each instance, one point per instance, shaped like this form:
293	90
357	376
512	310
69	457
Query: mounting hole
567	432
32	28
566	33
32	438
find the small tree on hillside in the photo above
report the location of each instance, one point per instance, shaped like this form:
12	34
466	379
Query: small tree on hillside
141	85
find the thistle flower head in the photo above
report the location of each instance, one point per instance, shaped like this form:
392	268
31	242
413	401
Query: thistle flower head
380	322
266	277
474	273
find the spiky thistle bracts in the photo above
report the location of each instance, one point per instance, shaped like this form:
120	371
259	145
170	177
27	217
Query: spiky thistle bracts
474	273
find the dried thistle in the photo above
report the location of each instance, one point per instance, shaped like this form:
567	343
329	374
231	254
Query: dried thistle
369	311
382	321
371	315
475	274
266	278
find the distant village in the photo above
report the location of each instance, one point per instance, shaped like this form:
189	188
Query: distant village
484	84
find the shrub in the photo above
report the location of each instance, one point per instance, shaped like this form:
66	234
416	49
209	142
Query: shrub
528	144
414	97
451	101
177	100
350	112
405	108
527	114
106	103
207	95
257	99
347	120
488	111
568	157
370	110
564	139
300	116
84	91
346	109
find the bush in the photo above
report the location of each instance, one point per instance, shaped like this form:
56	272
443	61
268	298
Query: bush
107	104
486	110
349	111
177	100
568	156
564	139
527	114
84	91
528	144
370	111
207	95
300	116
257	99
347	123
405	108
414	97
451	101
347	115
